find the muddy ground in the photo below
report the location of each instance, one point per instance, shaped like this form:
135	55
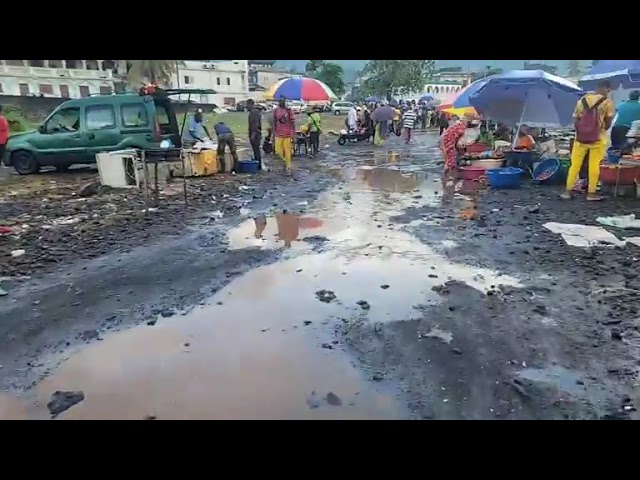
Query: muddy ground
404	298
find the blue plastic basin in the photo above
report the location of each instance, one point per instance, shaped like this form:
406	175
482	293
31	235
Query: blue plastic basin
552	166
508	177
613	155
248	166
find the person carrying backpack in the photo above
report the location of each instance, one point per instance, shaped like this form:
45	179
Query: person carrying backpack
592	118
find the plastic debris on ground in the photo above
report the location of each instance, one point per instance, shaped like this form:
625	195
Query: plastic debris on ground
584	235
622	221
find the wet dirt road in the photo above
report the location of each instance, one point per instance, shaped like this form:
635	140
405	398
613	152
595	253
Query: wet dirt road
382	293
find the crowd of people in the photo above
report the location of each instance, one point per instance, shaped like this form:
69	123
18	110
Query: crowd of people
408	116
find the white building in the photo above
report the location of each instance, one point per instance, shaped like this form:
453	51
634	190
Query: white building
263	74
60	78
228	78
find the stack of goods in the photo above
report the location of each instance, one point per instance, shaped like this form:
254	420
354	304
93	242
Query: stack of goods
634	131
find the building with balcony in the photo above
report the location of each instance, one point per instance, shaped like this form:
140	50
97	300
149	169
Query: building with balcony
229	78
263	74
60	78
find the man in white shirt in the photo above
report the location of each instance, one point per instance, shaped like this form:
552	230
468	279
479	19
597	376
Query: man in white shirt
352	118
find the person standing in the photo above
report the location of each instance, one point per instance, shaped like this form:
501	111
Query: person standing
628	112
409	123
352	119
226	138
284	131
443	123
255	131
4	134
315	129
592	118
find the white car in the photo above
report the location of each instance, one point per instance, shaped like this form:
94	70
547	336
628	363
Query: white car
296	106
341	107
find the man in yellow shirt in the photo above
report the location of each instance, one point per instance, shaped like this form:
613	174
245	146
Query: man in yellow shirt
598	106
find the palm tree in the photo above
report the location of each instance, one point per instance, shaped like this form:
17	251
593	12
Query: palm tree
575	68
158	72
313	66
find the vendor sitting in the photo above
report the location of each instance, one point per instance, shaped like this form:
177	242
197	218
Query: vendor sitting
486	137
525	141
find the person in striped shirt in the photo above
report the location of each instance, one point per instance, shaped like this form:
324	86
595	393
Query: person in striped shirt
409	122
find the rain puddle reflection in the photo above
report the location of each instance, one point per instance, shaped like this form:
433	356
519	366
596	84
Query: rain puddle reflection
264	347
258	351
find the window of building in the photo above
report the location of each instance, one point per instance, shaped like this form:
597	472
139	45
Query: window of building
242	80
15	63
108	65
1	90
188	80
84	91
24	89
46	89
92	65
36	63
64	91
134	115
72	64
228	81
106	90
100	117
217	80
56	64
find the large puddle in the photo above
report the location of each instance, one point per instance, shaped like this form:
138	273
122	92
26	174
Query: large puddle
263	347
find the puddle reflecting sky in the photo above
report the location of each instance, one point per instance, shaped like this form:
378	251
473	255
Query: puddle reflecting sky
263	345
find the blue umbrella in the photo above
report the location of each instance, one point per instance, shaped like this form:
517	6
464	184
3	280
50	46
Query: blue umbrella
427	98
372	100
527	96
463	100
625	73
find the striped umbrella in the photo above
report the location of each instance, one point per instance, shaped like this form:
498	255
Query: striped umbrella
300	88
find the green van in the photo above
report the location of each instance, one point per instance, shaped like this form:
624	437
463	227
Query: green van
78	129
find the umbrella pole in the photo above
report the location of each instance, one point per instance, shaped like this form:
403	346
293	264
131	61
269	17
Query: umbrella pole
524	109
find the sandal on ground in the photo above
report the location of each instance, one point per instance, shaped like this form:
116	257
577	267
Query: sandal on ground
594	197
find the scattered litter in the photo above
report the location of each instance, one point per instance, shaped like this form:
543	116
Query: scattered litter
6	230
333	399
3	292
216	214
18	253
584	235
435	332
621	221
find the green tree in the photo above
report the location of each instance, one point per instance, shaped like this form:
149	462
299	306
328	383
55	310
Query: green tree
313	66
333	75
575	68
158	72
396	77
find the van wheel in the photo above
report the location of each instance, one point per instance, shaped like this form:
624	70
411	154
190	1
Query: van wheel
62	168
342	141
337	112
24	162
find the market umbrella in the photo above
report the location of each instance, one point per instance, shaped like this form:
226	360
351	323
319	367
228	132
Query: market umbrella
534	97
621	73
372	99
427	98
300	88
462	99
468	112
383	114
